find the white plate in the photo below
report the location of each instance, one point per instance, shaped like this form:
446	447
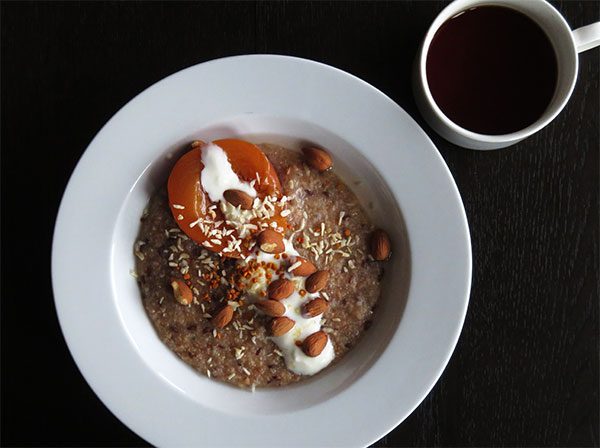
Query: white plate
426	289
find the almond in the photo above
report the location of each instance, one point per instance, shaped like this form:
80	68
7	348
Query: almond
223	316
280	326
316	307
271	308
238	197
380	245
181	291
316	281
302	267
317	158
270	242
280	289
314	344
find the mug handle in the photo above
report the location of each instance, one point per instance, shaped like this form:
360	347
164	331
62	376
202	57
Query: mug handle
587	37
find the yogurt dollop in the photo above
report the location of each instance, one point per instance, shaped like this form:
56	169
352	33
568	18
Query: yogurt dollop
217	175
295	359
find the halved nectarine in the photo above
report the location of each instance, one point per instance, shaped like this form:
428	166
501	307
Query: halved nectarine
190	203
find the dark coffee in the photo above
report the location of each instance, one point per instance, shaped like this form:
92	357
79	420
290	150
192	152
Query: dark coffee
491	70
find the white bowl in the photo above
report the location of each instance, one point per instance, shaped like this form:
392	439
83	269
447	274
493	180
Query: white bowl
377	149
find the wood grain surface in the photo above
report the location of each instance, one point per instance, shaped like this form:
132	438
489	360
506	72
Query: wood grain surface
526	368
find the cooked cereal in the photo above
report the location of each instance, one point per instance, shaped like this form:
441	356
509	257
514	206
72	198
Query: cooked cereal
327	226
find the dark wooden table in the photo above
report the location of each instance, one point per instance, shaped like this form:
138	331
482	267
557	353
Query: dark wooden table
525	371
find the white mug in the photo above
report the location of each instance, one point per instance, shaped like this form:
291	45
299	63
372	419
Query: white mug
567	44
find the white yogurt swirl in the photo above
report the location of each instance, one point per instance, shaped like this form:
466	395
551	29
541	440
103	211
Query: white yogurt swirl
295	359
218	176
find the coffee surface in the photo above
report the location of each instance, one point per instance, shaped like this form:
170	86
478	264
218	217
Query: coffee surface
491	70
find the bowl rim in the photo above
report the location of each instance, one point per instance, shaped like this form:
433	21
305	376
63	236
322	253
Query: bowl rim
64	247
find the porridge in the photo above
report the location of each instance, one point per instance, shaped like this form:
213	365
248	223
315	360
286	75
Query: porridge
257	266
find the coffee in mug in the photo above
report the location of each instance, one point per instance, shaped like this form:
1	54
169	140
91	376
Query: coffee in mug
491	70
489	74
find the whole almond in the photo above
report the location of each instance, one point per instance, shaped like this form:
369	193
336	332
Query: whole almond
223	316
317	158
280	289
302	267
271	308
314	344
380	245
270	242
280	326
316	307
316	281
238	197
181	291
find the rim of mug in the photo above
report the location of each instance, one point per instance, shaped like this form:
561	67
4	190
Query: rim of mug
541	122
